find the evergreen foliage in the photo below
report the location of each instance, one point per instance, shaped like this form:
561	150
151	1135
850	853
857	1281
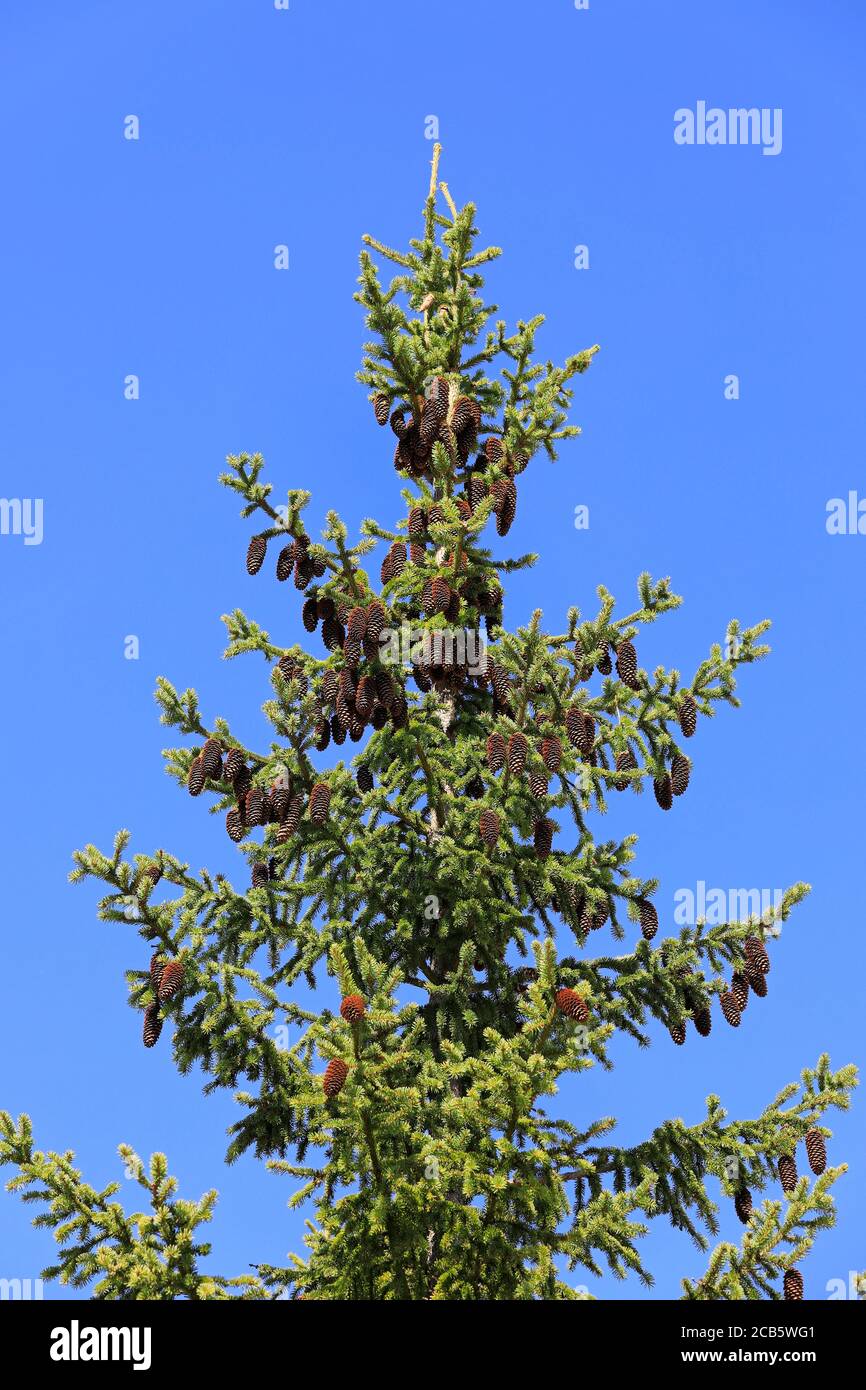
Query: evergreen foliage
447	877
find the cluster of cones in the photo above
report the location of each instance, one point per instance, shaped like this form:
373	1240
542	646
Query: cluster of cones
816	1154
166	978
352	1009
751	979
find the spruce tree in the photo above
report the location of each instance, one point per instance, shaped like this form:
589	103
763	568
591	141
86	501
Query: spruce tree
429	919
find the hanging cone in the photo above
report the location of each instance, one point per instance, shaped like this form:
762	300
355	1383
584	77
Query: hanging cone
757	983
593	919
320	800
681	770
364	778
338	729
380	408
256	552
626	665
570	1003
678	1033
757	960
356	623
517	750
574	726
152	1025
335	1077
551	753
234	825
376	619
280	803
323	735
743	1204
254	807
688	714
740	990
663	791
496	752
703	1021
197	778
816	1151
399	424
286	562
730	1010
605	665
649	919
293	815
211	759
171	980
385	689
234	761
157	965
538	785
441	594
417	524
625	762
489	826
353	1008
500	682
542	836
793	1285
788	1172
462	416
260	874
310	614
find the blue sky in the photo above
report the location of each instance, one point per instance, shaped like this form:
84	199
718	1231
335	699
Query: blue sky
155	257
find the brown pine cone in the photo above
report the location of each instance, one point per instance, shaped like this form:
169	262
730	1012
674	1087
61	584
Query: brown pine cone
364	778
681	770
625	762
234	825
196	779
260	874
211	757
538	785
234	761
551	753
757	960
626	665
380	408
516	753
729	1009
793	1285
703	1021
743	1204
170	980
542	835
335	1077
353	1008
788	1172
605	665
256	552
649	919
254	807
152	1025
757	983
678	1033
740	990
489	826
570	1003
320	800
663	791
310	614
688	714
157	965
496	752
376	619
816	1151
286	562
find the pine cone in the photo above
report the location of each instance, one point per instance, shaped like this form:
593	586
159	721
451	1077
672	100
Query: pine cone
678	1033
730	1009
353	1008
517	750
663	791
335	1077
788	1172
385	689
681	770
626	665
757	960
489	826
293	817
210	758
605	665
280	803
538	785
740	990
570	1003
757	983
793	1285
688	714
380	408
254	807
286	561
152	1025
551	753
234	825
364	778
310	614
171	980
234	761
649	919
441	593
703	1021
816	1151
260	874
476	490
625	762
507	510
196	778
593	919
496	752
462	416
743	1205
542	834
157	965
493	449
338	730
320	800
356	623
376	619
303	573
399	423
256	554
